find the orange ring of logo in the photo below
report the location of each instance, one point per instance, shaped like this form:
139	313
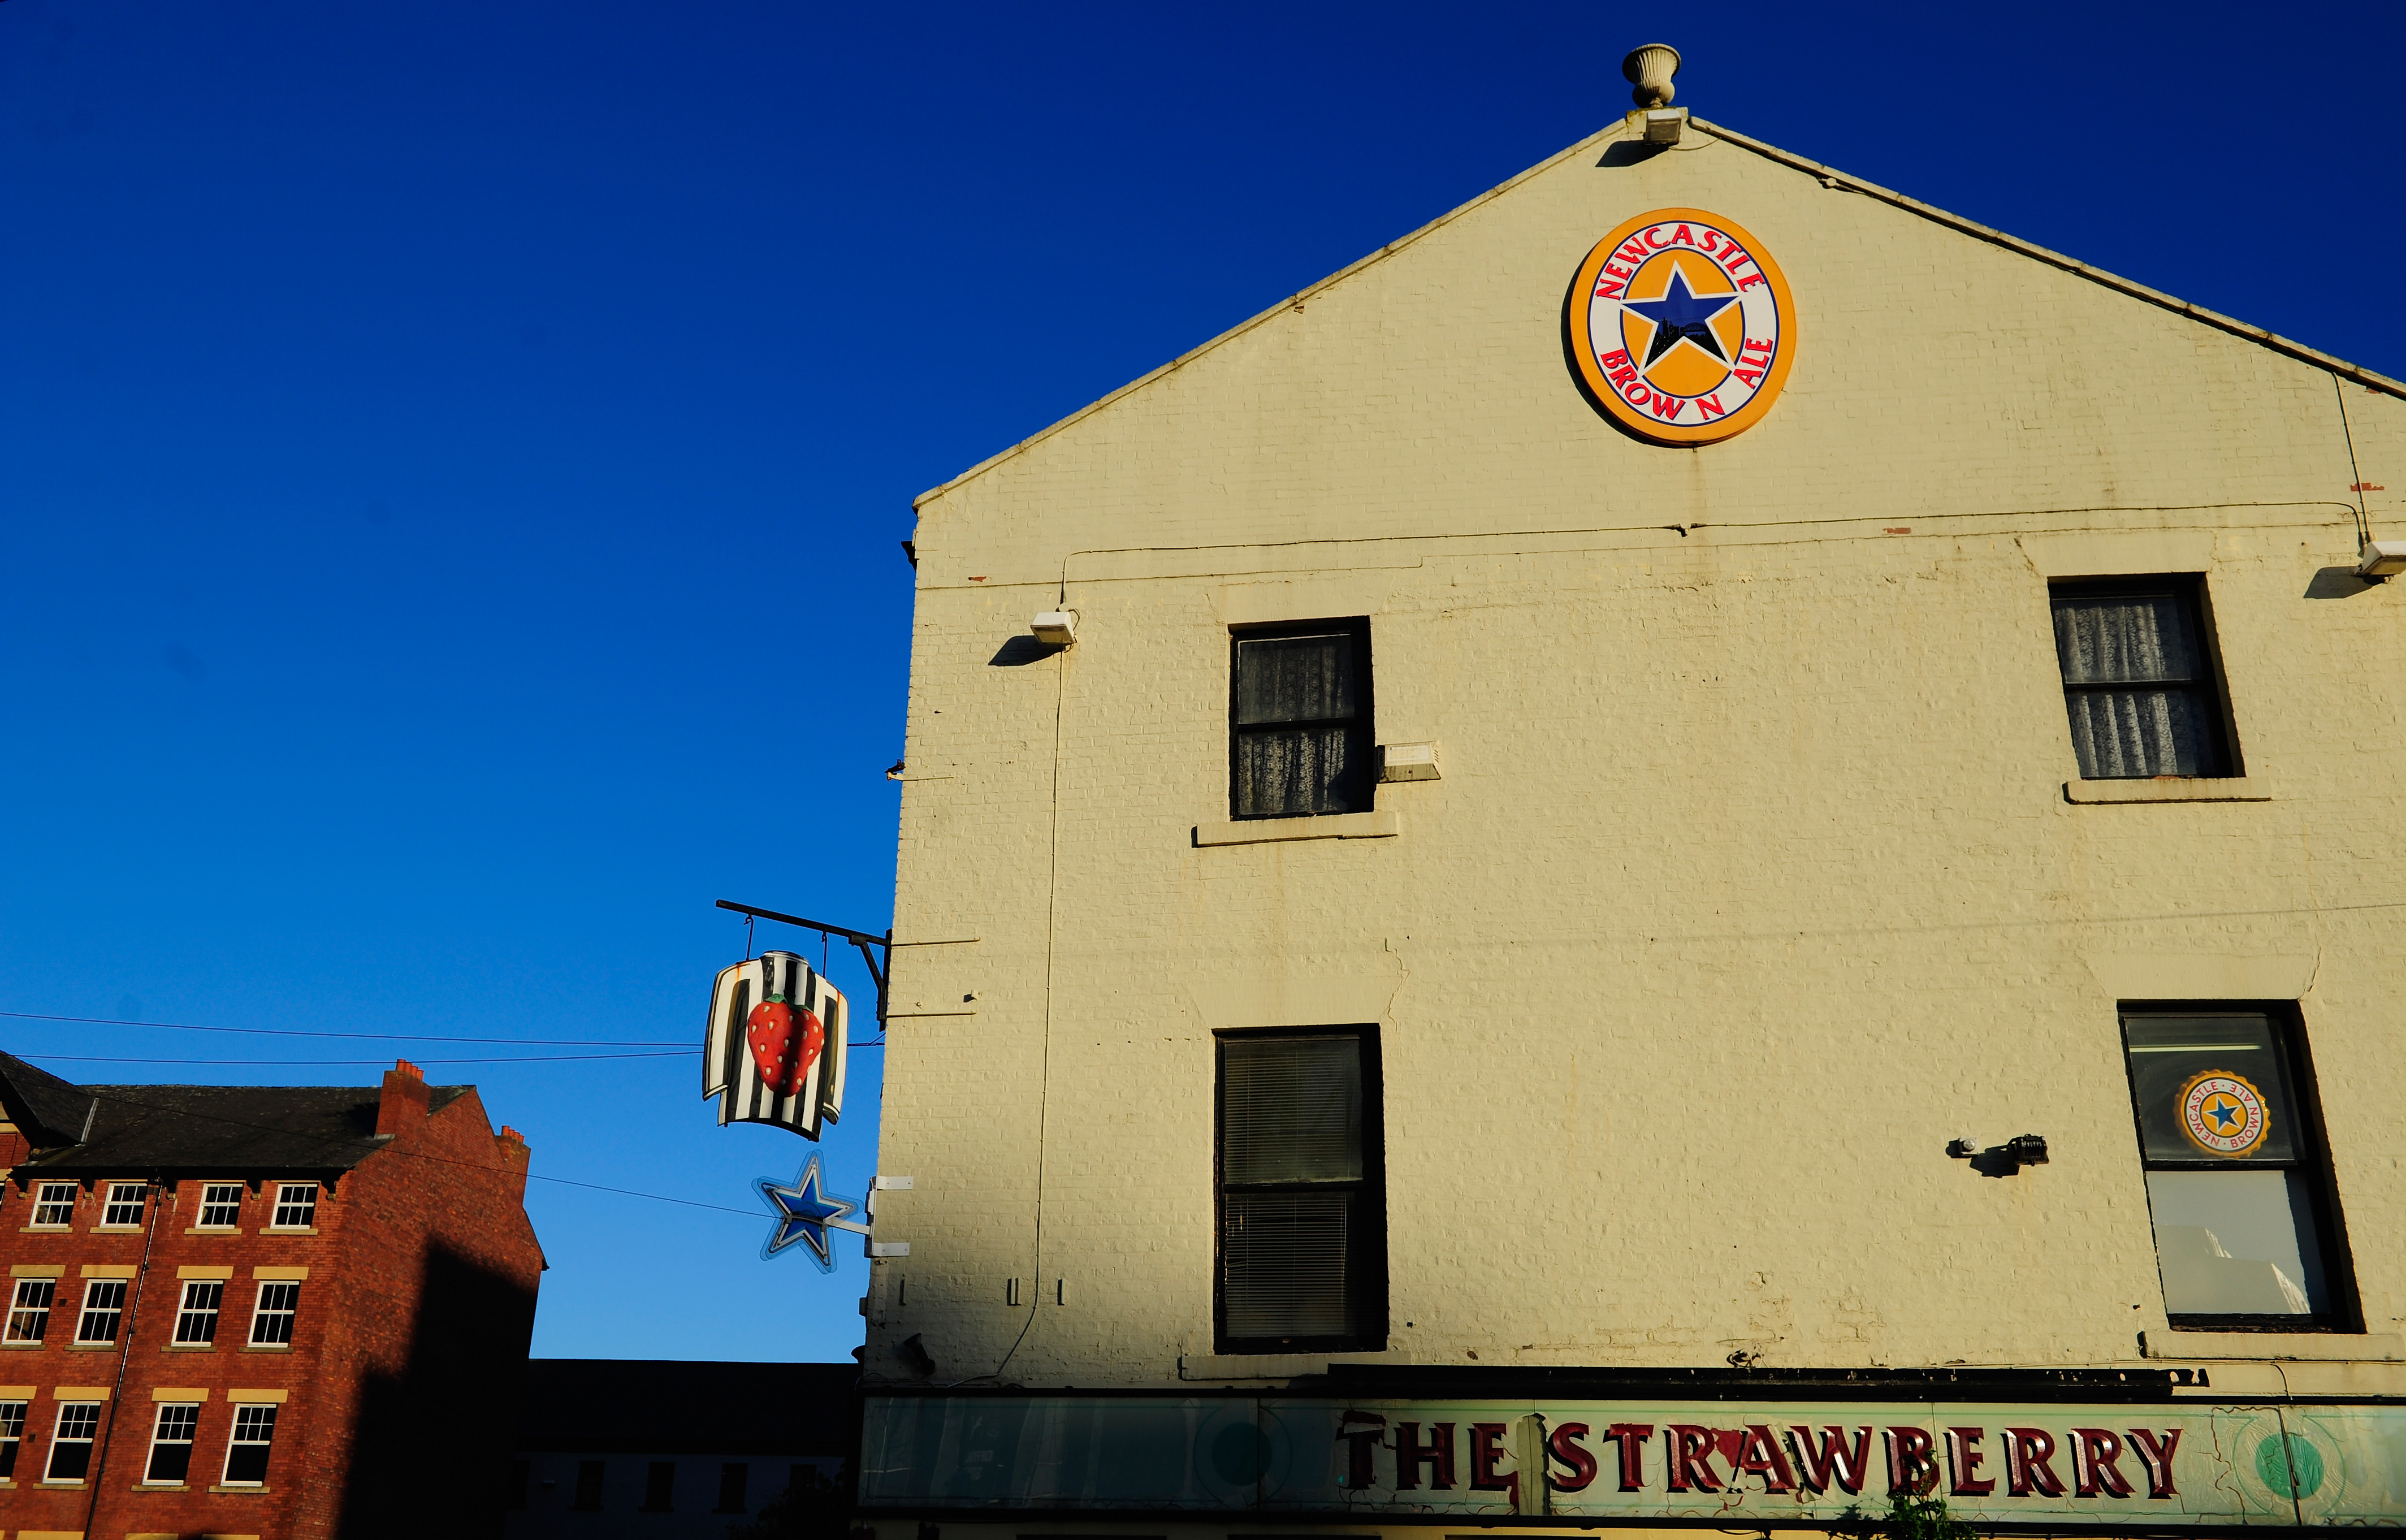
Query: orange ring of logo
1657	418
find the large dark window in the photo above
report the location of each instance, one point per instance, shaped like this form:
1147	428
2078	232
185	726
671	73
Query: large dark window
2138	679
1300	721
1303	1231
2247	1234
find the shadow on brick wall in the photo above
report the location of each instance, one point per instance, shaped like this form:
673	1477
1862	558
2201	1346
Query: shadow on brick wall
431	1451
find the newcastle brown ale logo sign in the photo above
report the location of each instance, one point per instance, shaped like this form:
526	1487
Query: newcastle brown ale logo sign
1682	327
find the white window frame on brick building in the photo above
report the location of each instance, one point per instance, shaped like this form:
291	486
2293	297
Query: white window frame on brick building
71	1440
220	1207
172	1431
297	1207
102	1317
253	1437
54	1206
271	1319
196	1318
123	1209
12	1436
29	1308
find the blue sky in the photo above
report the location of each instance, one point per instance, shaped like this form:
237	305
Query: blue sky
452	456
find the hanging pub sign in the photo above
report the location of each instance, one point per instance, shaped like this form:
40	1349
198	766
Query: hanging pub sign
1682	327
775	1052
805	1213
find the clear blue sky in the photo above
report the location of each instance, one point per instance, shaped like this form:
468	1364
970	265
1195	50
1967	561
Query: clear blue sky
452	455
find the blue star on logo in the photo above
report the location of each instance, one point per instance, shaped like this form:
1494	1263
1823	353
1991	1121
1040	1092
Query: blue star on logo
1679	316
805	1213
2225	1115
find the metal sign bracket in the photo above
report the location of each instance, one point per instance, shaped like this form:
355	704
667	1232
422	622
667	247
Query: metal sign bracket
877	961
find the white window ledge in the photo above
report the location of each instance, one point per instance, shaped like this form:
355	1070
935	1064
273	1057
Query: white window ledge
2171	789
2328	1347
1329	826
1211	1367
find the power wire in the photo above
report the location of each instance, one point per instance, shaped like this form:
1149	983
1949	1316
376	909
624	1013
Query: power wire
359	1037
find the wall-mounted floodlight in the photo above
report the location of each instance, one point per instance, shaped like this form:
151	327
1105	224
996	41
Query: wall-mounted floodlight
2025	1149
1056	628
1663	125
2381	559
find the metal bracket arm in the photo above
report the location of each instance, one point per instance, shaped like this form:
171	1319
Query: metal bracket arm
861	938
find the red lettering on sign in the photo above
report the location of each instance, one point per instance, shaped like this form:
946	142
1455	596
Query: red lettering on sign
1758	1454
1620	377
1613	360
2157	1457
1485	1456
2093	1453
1680	236
1753	377
1711	406
1411	1454
1753	345
1567	1448
1911	1471
1647	236
1964	1459
1689	1455
2026	1470
1634	252
1675	404
1733	256
1833	1462
1710	240
1632	1437
1749	282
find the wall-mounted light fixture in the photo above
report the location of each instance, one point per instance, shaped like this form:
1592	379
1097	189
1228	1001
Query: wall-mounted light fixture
2380	561
1056	628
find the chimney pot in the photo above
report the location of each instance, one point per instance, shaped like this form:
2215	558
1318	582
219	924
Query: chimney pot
404	1100
1650	68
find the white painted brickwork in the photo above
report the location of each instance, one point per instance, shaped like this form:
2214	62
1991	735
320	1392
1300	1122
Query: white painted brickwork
1750	880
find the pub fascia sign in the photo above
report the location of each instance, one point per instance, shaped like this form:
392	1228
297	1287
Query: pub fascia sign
2155	1464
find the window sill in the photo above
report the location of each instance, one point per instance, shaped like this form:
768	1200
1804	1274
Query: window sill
190	1348
1329	826
267	1347
1194	1368
162	1486
117	1229
2328	1347
215	1230
289	1230
240	1491
22	1346
60	1486
2171	789
46	1229
91	1347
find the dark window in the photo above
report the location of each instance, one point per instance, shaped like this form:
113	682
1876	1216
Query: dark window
2247	1233
279	1305
254	1434
196	1322
123	1209
2138	679
659	1486
589	1485
221	1206
296	1205
732	1480
71	1441
171	1441
1300	738
103	1310
56	1205
1303	1232
12	1435
28	1313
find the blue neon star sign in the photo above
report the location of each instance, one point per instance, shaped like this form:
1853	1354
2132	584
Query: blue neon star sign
805	1213
1681	315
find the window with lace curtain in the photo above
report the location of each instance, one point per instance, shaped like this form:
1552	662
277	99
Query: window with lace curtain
1300	742
2138	679
1303	1231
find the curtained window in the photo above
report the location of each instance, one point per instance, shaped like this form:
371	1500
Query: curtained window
2138	679
1302	1242
1300	721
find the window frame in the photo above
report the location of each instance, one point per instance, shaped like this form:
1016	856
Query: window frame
187	1312
88	1310
261	1314
208	1202
737	1474
659	1491
190	1428
43	1199
12	1435
275	1214
1371	1248
2345	1316
2187	589
60	1441
252	1413
18	1306
586	1496
1362	726
114	1199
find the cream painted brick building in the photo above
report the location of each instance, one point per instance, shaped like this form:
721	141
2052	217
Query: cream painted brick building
1758	867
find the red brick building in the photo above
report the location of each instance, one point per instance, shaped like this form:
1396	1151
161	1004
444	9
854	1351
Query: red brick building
292	1312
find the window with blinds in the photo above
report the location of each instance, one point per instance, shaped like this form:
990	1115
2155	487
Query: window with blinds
1303	1233
1299	718
2138	679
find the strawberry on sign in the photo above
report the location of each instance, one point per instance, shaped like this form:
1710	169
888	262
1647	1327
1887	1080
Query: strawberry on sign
774	1046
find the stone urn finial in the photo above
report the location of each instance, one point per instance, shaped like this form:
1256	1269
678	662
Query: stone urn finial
1650	69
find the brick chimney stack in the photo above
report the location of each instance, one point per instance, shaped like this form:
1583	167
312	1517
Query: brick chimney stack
403	1105
511	1146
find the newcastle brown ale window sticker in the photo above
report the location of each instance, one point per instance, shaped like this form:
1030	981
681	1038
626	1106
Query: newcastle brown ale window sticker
1682	327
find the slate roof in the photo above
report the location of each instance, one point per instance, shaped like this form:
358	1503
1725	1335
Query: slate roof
197	1130
608	1406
